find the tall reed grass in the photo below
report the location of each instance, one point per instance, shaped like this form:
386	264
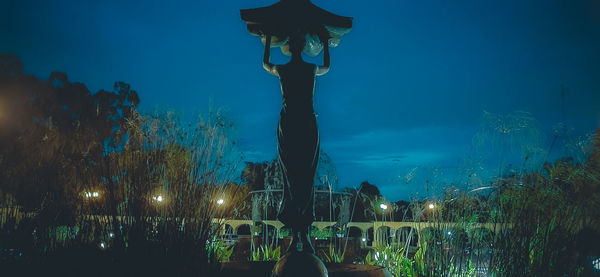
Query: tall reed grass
148	207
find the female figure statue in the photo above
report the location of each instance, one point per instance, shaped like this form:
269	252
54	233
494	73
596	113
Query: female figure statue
298	137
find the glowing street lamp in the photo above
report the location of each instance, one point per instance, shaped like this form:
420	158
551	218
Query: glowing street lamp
220	201
158	198
383	207
93	194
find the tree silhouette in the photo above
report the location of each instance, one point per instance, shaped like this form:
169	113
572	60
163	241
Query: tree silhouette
53	133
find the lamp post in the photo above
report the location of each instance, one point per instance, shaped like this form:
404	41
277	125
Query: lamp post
384	208
432	208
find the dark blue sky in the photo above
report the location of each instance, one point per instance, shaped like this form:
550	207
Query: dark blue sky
406	91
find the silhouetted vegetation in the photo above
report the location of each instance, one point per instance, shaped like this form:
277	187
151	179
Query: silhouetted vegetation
91	187
539	224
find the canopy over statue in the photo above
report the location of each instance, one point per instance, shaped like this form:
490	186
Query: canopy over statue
288	16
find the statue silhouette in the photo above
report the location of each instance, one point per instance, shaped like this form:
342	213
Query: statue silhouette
298	137
297	26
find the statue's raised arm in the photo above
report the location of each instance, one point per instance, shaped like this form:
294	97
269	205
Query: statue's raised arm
322	70
267	65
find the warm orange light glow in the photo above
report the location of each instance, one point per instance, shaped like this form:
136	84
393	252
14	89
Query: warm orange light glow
91	194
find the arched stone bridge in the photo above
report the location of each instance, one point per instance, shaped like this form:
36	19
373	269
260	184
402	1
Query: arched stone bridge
375	231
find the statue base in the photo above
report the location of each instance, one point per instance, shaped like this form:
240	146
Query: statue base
299	264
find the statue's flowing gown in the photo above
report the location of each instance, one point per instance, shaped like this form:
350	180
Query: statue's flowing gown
298	143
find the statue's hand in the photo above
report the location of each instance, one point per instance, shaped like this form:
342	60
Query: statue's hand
324	37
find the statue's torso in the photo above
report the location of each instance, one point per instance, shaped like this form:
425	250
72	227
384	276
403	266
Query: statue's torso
297	87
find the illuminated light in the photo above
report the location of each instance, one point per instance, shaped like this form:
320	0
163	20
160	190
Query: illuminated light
431	206
158	198
112	235
449	233
102	245
220	201
364	239
94	194
596	264
383	206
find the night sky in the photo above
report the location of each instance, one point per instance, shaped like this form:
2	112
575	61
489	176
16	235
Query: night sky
407	89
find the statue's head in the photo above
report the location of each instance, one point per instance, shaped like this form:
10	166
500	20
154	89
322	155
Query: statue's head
297	42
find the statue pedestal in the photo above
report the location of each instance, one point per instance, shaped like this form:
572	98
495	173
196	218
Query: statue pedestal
299	264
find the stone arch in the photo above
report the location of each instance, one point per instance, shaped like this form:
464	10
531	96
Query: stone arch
354	232
243	230
228	229
382	235
408	235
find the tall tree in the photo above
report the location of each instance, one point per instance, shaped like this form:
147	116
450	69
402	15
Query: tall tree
52	134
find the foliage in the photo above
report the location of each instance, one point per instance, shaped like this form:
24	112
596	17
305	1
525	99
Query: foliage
254	175
284	232
266	253
321	234
334	254
218	251
542	224
419	259
470	271
87	178
393	259
55	132
547	213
